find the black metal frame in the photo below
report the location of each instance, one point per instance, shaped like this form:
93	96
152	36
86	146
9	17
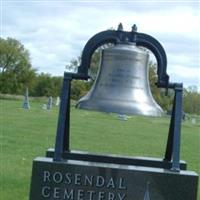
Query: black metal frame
62	145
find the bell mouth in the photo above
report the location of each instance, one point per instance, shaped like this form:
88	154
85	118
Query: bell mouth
121	107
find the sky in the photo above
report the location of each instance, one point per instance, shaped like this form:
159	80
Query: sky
55	32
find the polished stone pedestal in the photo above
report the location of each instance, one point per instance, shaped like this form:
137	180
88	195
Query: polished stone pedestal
117	159
82	180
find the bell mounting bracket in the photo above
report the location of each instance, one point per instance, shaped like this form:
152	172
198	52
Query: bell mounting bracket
120	36
172	153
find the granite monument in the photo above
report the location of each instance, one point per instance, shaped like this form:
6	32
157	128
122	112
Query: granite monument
74	175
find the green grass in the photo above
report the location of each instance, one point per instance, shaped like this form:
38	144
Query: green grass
26	134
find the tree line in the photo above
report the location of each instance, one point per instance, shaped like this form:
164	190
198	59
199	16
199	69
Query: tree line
17	73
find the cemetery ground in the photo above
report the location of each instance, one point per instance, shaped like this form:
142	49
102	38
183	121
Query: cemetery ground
26	134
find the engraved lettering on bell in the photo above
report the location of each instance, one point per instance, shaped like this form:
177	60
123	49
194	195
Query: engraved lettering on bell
122	83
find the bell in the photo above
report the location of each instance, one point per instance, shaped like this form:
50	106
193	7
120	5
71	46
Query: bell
122	84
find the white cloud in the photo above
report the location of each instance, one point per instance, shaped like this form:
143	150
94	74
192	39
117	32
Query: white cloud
187	75
56	32
186	72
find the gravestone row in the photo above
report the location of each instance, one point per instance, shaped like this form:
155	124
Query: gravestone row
47	106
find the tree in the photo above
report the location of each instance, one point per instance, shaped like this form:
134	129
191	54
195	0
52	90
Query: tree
94	66
80	88
165	101
73	65
191	100
46	85
16	71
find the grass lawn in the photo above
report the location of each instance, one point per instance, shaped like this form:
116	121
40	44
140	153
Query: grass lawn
26	134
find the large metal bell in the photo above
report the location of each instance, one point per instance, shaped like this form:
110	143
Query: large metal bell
122	84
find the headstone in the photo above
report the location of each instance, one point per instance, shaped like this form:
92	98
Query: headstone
80	180
57	101
122	117
26	104
193	120
49	103
44	107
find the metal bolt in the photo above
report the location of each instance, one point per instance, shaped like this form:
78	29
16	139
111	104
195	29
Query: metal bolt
120	27
134	28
